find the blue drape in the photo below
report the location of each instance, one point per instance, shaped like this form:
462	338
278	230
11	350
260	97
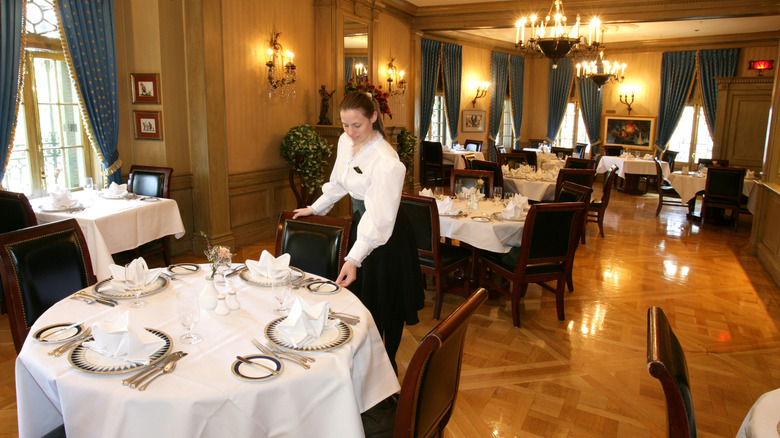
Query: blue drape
11	28
499	75
429	72
452	66
591	100
560	86
677	69
349	64
714	64
516	83
89	40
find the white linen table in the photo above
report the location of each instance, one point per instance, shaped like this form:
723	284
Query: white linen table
114	225
202	397
630	168
535	190
450	156
763	418
496	236
692	183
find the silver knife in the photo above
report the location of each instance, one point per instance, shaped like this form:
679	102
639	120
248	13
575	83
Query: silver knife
173	357
145	371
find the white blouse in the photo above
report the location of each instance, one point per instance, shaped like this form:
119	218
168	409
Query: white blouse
376	176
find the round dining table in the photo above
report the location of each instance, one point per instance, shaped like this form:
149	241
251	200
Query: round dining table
203	396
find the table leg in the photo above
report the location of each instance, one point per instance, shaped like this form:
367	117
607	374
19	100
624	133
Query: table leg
631	185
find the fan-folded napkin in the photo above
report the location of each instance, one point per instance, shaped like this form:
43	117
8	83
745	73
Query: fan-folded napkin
118	274
445	205
426	192
116	190
685	170
750	174
305	323
62	198
124	341
647	157
269	266
515	208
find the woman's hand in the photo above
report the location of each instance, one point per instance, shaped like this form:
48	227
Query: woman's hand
302	212
347	275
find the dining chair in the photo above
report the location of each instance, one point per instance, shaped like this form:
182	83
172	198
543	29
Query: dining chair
474	145
316	244
500	149
534	143
40	266
579	163
469	178
433	162
583	177
151	181
579	150
573	192
723	191
667	156
562	152
490	166
436	259
546	253
665	190
517	158
666	362
17	214
468	160
713	162
598	207
613	151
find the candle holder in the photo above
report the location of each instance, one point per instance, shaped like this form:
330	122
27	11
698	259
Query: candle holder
627	100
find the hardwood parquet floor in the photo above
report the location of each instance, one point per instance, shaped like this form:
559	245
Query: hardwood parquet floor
587	376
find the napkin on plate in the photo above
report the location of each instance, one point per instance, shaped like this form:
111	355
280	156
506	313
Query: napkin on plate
62	198
445	205
505	169
118	274
515	208
750	174
647	157
305	323
116	190
124	341
685	170
426	192
269	266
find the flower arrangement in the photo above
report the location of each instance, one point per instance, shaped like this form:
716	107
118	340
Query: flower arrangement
362	84
216	255
305	151
478	186
406	144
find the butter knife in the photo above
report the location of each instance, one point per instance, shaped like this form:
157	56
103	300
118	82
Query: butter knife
247	361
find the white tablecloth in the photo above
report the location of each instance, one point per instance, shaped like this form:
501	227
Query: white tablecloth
689	185
202	397
455	157
114	225
763	418
635	166
492	236
533	190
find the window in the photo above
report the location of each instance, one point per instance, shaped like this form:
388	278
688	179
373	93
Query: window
506	134
572	128
691	138
440	129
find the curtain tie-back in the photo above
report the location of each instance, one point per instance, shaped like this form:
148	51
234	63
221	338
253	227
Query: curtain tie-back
115	166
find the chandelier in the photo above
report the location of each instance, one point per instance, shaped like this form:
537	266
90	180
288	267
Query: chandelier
552	37
601	71
395	76
280	69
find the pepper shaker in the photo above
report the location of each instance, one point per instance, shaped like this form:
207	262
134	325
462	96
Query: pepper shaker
232	300
222	308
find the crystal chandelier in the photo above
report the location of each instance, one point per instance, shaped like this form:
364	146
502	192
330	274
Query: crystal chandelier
601	71
395	76
280	69
552	37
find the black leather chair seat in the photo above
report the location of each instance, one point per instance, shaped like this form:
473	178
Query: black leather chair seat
669	191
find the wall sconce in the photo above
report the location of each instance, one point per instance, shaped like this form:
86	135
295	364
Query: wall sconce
482	88
764	64
397	77
626	98
360	70
280	69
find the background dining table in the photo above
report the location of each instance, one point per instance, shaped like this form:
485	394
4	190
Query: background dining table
203	397
482	228
688	186
454	157
114	225
630	168
535	190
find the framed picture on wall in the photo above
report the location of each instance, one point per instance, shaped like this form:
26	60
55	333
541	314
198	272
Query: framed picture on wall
473	120
148	125
634	132
146	87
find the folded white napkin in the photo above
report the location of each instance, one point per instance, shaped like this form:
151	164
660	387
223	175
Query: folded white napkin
505	169
124	341
648	157
62	198
549	175
515	208
750	174
118	274
116	190
269	266
305	323
467	191
445	205
426	192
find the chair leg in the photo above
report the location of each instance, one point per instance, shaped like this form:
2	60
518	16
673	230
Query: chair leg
437	301
660	203
570	282
518	291
600	221
559	298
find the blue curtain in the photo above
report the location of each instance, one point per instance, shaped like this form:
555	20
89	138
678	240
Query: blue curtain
11	28
714	64
677	69
560	85
591	100
89	40
452	66
349	64
429	72
516	81
499	70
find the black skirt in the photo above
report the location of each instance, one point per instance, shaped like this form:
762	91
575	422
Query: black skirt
389	282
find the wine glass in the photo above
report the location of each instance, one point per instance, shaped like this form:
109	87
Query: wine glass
135	278
89	187
189	314
280	286
438	192
498	193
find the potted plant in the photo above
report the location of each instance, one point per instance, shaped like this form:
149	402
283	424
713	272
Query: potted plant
406	144
305	151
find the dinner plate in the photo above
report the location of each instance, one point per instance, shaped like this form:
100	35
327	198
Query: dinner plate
84	359
54	209
103	289
183	268
501	217
109	196
257	280
451	214
150	199
244	371
323	287
58	333
330	339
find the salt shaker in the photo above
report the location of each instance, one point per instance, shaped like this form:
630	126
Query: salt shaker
232	300
222	308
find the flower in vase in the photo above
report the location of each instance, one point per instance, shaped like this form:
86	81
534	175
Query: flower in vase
478	186
216	255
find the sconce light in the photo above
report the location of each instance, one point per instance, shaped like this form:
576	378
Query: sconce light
280	69
627	97
397	77
764	64
482	88
360	70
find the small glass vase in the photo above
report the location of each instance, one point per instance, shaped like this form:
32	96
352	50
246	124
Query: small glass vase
208	296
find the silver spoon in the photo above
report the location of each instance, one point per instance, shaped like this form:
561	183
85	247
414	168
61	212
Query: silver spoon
170	366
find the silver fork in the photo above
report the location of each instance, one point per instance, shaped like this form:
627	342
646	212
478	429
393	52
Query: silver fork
67	346
278	350
271	353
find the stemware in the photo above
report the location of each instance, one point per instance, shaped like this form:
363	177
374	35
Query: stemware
89	187
280	286
135	278
438	192
189	314
498	193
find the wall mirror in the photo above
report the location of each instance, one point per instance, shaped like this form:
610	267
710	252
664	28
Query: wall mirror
355	48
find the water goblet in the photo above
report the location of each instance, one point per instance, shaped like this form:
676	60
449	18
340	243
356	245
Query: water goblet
89	189
438	192
498	193
135	278
189	314
280	286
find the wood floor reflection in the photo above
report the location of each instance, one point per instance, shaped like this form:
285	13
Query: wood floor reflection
586	376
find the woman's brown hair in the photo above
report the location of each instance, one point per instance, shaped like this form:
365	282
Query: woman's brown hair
358	100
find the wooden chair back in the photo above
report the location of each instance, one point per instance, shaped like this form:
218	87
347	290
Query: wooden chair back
150	181
316	244
474	145
579	163
17	212
490	166
469	178
613	151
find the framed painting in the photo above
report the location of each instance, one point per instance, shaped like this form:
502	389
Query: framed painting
634	132
146	87
473	120
148	125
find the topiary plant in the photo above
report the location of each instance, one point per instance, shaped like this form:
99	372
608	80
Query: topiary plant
406	144
305	151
